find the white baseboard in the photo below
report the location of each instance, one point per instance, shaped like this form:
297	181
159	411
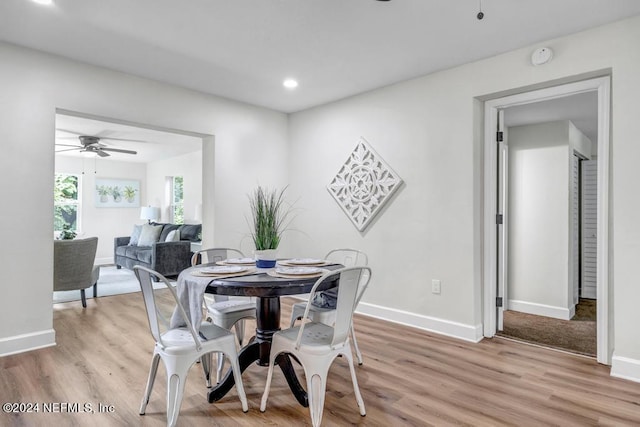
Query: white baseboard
27	342
104	261
541	309
626	368
427	323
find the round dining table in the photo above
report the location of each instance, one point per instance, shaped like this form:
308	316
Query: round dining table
268	290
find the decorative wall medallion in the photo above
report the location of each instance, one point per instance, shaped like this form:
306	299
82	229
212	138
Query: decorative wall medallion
363	184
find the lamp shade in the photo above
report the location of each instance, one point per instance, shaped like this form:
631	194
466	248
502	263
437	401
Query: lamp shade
150	213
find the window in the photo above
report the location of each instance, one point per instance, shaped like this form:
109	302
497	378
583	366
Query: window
177	200
66	200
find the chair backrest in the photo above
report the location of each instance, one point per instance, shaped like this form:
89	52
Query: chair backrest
209	256
353	281
348	257
212	255
73	263
158	322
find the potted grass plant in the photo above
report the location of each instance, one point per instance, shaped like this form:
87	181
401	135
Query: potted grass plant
269	214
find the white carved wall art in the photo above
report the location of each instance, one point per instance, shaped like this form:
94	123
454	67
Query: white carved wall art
363	184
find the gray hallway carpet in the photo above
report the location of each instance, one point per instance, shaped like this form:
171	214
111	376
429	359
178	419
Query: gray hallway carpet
577	335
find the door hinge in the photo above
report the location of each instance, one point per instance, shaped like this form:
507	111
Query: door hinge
499	219
498	301
499	136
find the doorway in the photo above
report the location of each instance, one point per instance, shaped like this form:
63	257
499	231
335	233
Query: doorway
159	152
499	234
546	144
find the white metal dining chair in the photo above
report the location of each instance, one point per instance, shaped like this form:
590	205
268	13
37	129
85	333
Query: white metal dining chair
222	311
348	258
179	348
316	345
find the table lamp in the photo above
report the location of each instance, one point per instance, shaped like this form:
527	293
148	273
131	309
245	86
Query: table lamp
151	214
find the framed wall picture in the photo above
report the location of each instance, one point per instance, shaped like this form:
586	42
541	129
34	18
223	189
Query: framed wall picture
117	193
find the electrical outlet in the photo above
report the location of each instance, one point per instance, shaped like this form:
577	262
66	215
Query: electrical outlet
435	286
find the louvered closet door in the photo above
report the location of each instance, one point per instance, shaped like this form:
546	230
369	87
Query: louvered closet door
589	228
575	226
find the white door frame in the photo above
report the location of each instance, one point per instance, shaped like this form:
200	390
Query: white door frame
502	205
603	87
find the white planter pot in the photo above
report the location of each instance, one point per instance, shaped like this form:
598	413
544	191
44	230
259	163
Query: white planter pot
265	258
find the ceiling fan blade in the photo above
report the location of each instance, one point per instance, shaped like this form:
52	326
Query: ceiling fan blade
95	150
67	149
68	145
118	150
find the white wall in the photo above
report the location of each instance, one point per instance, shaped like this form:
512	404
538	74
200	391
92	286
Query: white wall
250	146
104	223
539	232
423	130
430	131
189	166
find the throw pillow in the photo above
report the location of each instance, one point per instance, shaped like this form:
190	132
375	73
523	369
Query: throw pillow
190	232
173	236
135	235
166	229
150	234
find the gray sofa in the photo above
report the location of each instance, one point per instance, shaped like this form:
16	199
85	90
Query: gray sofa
167	258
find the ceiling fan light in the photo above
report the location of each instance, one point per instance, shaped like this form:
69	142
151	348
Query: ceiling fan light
44	2
290	83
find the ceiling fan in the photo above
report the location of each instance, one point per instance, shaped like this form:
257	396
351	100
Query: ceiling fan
92	144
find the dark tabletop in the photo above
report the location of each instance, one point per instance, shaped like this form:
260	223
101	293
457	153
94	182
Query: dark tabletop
263	285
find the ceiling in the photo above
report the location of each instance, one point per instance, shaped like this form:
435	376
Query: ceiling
244	49
150	145
580	109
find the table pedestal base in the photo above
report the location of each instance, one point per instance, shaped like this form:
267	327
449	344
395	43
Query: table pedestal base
267	323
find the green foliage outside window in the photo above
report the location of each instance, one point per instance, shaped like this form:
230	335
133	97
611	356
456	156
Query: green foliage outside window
65	198
178	200
178	214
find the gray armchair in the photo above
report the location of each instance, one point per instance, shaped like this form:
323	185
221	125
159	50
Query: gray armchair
73	266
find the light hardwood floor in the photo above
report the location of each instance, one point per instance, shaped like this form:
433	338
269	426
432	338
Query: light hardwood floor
409	378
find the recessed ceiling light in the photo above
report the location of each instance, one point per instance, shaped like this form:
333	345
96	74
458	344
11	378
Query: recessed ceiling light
290	83
45	2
